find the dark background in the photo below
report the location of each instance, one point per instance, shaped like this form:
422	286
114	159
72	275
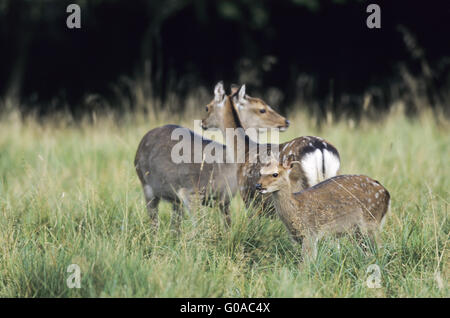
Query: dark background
294	53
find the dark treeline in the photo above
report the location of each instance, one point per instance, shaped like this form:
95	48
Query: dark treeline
318	52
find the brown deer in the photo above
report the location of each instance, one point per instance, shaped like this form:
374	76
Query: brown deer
182	182
319	159
342	204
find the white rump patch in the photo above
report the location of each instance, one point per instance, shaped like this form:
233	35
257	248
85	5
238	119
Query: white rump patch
313	163
312	166
332	164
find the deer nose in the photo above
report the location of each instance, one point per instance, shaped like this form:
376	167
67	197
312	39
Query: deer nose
258	186
287	123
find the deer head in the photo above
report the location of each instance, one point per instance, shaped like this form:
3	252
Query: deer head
254	112
276	176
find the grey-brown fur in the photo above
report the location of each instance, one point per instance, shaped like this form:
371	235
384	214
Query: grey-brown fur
161	178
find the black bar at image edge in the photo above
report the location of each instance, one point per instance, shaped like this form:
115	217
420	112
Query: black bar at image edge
215	307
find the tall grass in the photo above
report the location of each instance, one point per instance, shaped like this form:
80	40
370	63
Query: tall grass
69	194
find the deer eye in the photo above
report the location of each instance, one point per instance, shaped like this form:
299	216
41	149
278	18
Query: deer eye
206	108
262	110
275	175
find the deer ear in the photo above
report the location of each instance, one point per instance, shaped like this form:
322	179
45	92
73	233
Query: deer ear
287	163
295	170
219	92
239	97
241	93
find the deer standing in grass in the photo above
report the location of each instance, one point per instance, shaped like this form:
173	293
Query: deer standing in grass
342	204
319	159
181	183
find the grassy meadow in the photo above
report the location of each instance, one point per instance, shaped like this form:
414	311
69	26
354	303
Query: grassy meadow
69	194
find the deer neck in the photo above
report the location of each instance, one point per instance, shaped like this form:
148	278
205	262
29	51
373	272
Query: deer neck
288	210
238	143
236	138
230	117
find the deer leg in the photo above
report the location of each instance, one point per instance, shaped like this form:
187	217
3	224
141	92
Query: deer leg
187	198
225	208
309	247
374	238
152	205
366	238
177	216
296	239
